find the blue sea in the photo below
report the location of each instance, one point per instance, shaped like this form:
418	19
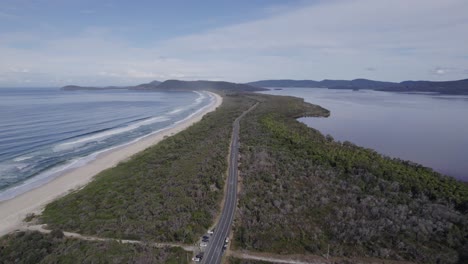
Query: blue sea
45	131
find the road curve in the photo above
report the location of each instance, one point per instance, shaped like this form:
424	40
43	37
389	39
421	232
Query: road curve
214	250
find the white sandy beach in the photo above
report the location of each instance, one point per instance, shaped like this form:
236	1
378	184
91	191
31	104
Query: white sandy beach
13	211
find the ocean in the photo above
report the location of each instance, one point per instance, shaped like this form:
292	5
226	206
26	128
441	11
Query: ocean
45	131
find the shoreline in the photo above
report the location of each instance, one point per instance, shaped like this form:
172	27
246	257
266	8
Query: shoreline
13	211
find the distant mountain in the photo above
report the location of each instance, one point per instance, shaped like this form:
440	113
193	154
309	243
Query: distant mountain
357	83
176	85
286	83
207	85
341	84
459	87
146	86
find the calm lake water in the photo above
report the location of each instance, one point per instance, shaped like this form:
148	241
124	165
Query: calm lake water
428	129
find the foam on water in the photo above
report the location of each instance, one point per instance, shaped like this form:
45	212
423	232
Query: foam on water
109	133
22	158
42	178
199	100
81	145
177	110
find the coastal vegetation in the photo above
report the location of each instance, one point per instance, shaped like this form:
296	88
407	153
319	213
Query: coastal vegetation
169	192
233	260
301	193
35	247
304	193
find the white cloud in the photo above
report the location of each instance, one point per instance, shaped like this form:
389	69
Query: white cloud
19	70
329	39
450	71
337	39
141	74
344	25
441	71
108	74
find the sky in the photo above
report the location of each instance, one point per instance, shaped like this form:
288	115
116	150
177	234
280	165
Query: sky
51	43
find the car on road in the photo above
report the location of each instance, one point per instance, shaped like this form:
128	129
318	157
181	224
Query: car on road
227	240
198	257
211	231
203	244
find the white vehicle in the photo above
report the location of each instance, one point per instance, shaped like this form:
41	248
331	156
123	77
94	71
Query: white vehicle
196	259
210	232
203	244
227	240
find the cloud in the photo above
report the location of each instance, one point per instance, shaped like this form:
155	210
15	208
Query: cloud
141	74
441	71
339	25
19	70
335	39
325	39
108	74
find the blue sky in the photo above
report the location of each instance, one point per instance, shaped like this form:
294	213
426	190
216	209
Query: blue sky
139	22
58	42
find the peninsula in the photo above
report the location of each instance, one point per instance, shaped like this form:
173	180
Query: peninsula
302	197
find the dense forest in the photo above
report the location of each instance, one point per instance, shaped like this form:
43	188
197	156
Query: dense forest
34	247
169	192
303	192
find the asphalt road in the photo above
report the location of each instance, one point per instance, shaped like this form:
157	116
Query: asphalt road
214	250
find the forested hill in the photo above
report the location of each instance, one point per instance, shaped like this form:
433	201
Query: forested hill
459	87
177	85
207	85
